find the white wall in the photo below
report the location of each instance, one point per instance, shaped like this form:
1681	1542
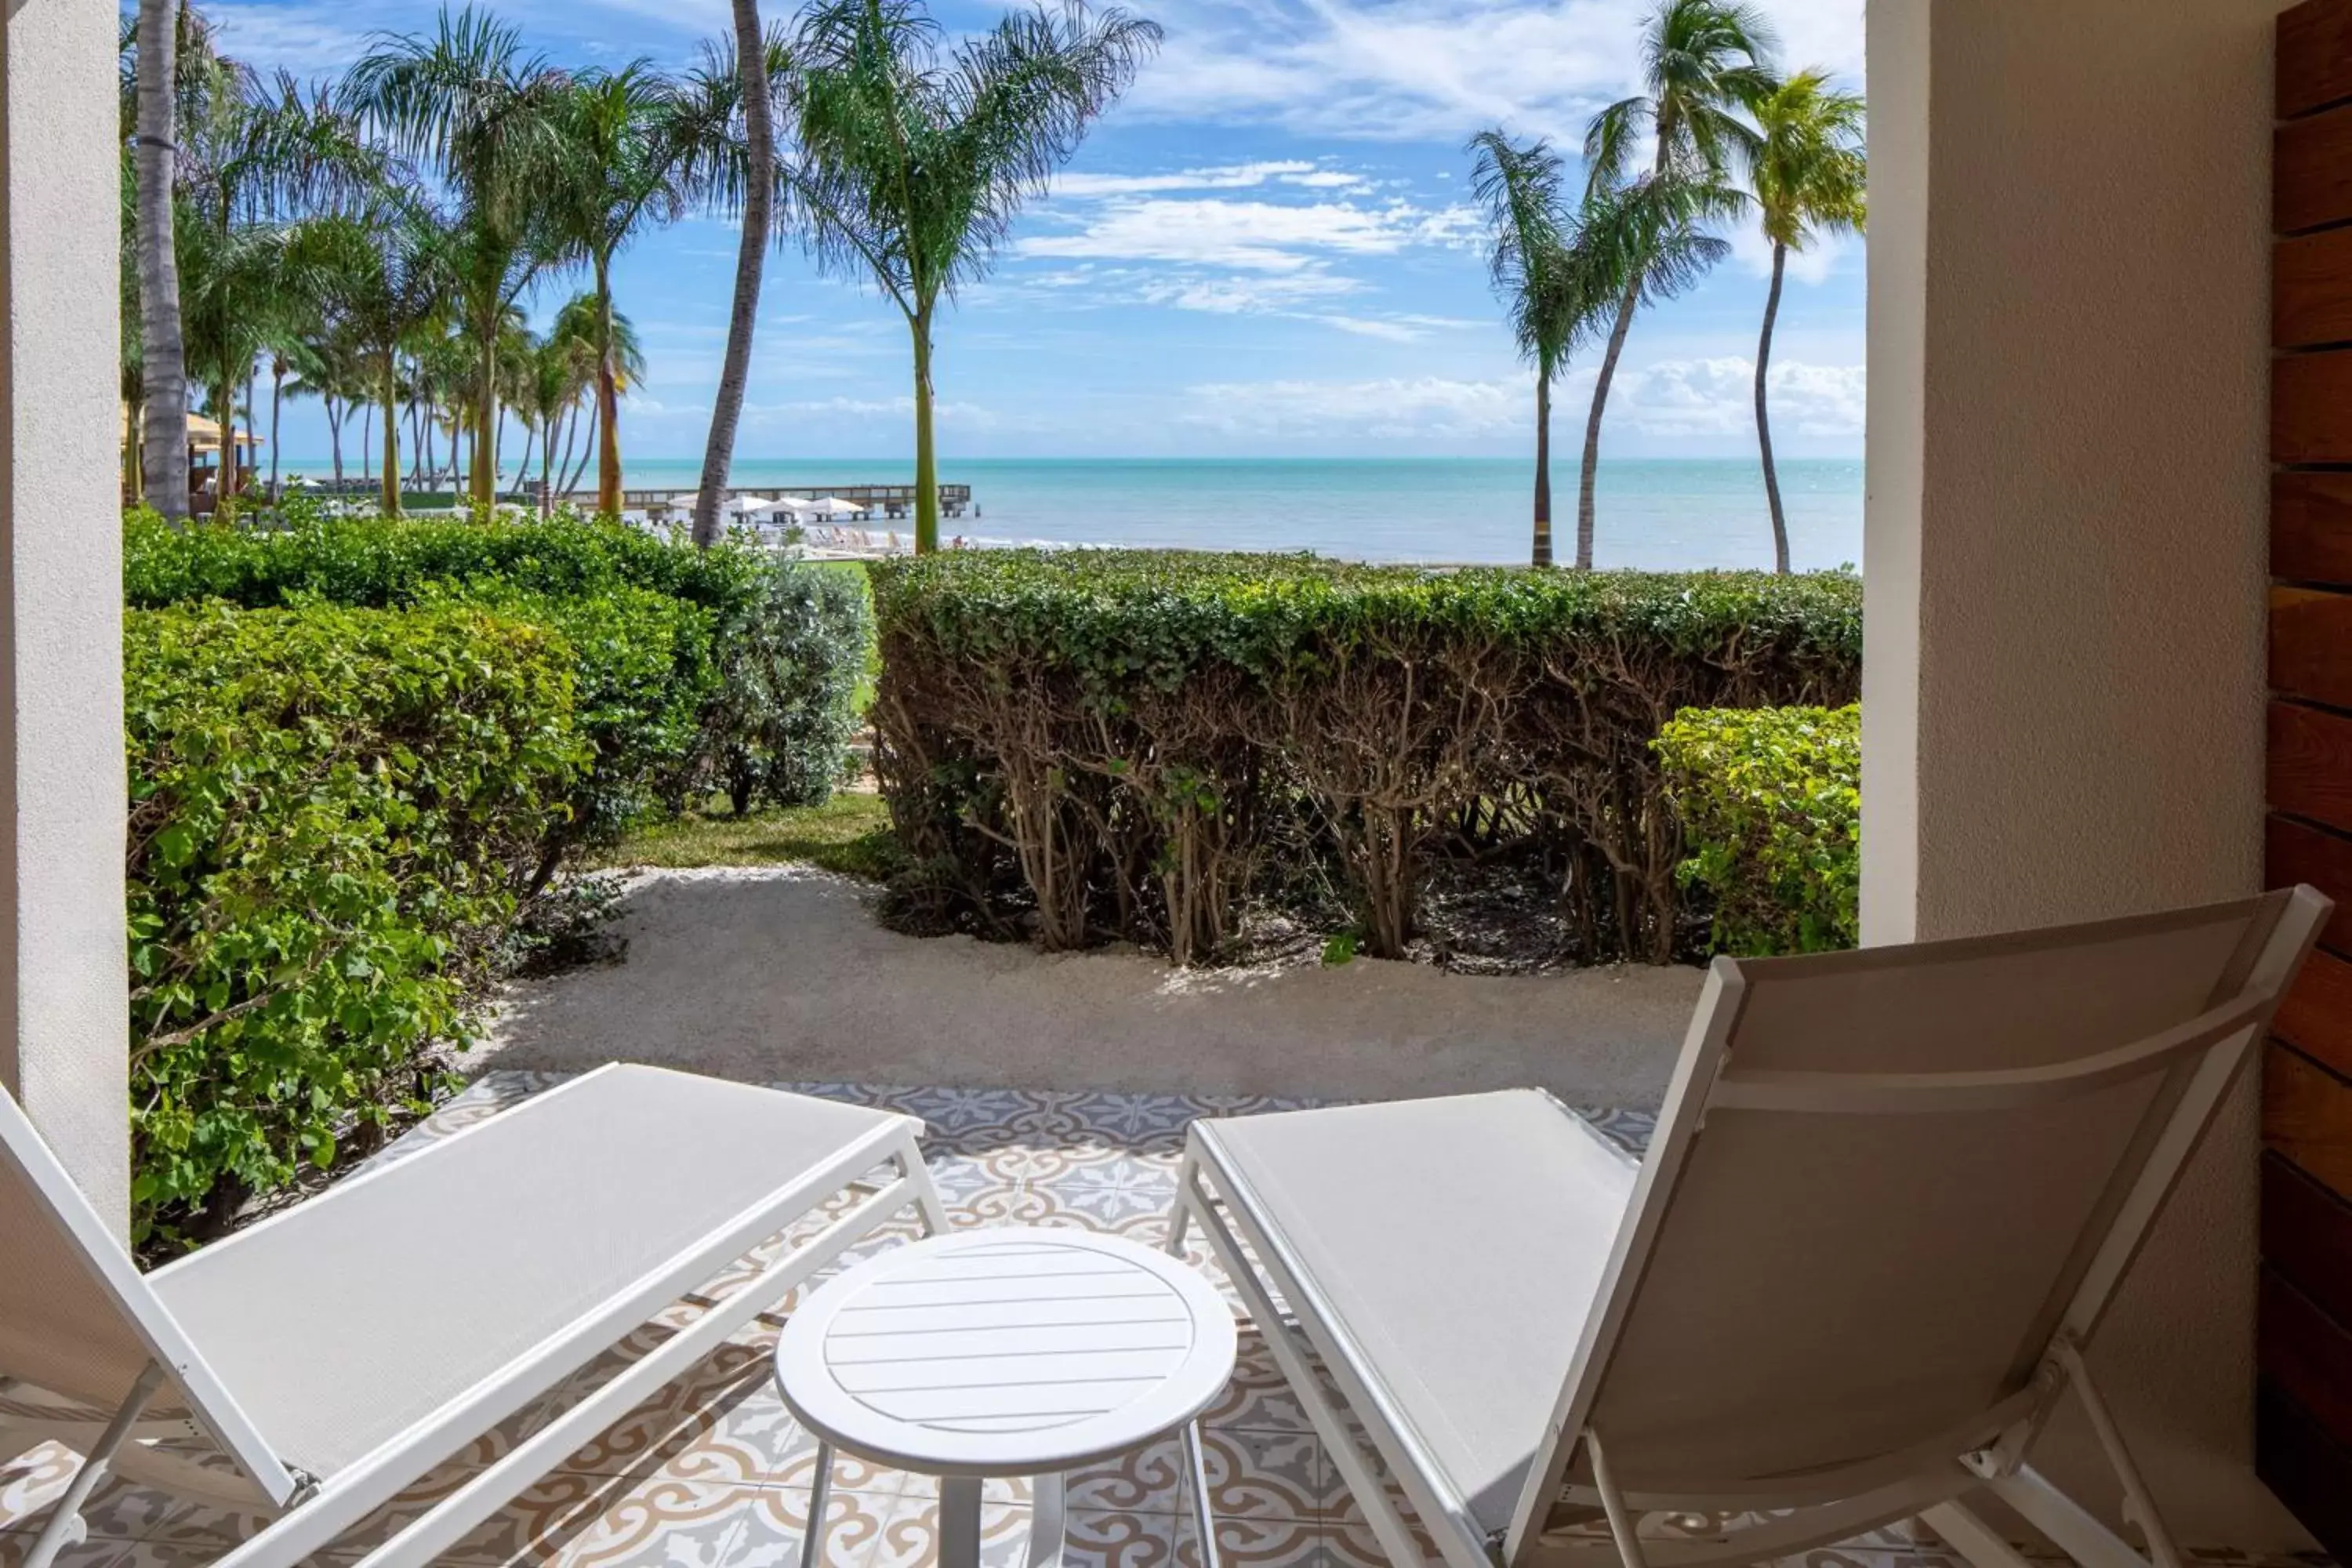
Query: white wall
64	1026
2065	546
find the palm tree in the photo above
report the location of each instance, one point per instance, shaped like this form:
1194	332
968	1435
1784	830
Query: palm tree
1703	61
727	116
385	278
1538	277
1808	175
625	164
163	377
484	113
913	166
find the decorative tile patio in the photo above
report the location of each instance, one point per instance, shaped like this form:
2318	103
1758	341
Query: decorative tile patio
712	1472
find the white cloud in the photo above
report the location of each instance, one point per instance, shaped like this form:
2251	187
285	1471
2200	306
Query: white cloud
1392	407
1223	177
1428	69
1254	236
1673	399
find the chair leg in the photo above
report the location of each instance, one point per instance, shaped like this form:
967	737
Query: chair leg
1180	1210
65	1527
1621	1519
1965	1532
926	1193
2139	1503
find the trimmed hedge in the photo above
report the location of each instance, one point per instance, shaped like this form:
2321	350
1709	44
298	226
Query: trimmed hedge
1134	742
680	686
331	812
1771	804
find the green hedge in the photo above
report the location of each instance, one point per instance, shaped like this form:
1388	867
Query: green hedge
681	687
1132	742
331	811
1772	806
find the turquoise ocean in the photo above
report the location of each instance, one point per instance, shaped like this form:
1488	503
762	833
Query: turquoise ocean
1664	514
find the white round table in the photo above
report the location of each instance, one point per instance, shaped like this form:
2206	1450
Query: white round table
1009	1352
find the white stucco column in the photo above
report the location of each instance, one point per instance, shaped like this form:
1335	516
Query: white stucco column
63	1020
2066	551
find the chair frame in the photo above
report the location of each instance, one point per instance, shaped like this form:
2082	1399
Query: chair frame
2200	1058
311	1512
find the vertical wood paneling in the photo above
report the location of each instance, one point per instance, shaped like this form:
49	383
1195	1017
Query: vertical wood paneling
2303	1390
2315	57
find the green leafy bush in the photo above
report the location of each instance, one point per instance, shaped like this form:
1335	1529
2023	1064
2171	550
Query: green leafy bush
1772	806
695	666
1139	738
331	811
780	722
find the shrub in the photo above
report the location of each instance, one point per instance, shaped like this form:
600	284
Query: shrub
1771	804
330	810
780	722
1139	738
695	666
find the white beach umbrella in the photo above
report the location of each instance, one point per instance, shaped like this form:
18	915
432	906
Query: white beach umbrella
833	506
744	506
798	506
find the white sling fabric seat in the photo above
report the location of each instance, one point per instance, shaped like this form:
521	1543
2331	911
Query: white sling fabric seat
1510	1203
338	1350
1889	1198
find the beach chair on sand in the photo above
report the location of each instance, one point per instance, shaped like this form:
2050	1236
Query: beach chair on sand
1889	1196
332	1354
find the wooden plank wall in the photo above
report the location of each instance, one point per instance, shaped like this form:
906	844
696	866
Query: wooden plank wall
2304	1402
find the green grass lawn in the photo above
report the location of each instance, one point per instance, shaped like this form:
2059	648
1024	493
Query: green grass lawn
849	834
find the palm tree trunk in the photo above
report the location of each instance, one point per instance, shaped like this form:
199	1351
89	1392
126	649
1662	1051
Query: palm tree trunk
1763	419
252	407
134	471
163	447
224	405
277	397
751	252
367	422
1584	483
571	481
926	462
390	393
571	437
335	435
522	464
1541	555
547	468
486	397
608	400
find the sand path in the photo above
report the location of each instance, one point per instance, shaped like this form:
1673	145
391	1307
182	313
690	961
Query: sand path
779	975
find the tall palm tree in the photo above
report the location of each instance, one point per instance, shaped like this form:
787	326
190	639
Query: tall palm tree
483	113
163	377
1808	175
625	164
729	111
1543	284
1703	62
915	164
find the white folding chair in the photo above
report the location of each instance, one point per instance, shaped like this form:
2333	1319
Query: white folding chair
332	1354
1890	1195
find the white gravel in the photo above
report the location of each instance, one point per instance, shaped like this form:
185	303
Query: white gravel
782	975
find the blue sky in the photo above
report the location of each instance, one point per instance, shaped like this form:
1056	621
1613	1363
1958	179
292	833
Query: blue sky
1266	249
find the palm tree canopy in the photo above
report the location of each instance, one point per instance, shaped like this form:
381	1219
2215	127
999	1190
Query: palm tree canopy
1809	171
1702	62
470	100
917	160
578	326
620	139
707	125
1549	295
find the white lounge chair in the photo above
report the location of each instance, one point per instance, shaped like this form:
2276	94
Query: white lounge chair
1889	1196
336	1353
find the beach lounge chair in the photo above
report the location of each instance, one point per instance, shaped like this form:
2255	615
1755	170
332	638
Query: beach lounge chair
1889	1196
336	1353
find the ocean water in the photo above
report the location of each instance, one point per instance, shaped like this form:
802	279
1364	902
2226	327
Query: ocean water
1664	514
